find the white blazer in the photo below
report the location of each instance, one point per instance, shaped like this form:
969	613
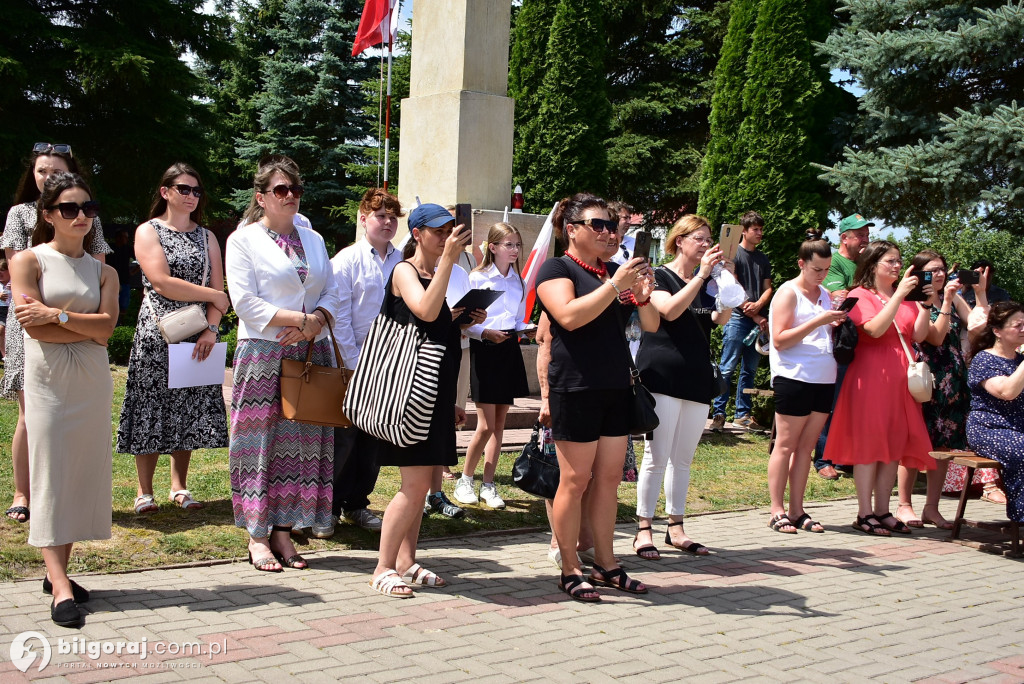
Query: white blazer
262	280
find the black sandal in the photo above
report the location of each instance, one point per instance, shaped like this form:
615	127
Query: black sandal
777	522
693	547
805	523
867	527
295	561
16	511
900	526
648	549
616	579
572	585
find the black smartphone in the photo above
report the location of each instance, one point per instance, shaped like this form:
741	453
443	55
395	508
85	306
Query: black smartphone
848	304
968	277
924	278
464	215
642	245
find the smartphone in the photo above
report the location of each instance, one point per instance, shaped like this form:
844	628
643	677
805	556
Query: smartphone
848	304
729	240
968	277
642	245
917	294
464	215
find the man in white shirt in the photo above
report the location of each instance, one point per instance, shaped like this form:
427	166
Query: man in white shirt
361	271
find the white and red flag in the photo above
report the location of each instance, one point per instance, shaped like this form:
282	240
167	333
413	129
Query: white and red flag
377	25
538	256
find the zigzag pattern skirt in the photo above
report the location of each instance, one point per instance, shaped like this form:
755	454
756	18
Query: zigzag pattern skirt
281	471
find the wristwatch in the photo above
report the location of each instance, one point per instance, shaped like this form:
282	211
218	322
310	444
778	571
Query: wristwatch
62	318
213	328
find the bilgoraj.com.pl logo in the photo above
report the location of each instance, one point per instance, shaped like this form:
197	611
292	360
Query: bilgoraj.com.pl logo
24	650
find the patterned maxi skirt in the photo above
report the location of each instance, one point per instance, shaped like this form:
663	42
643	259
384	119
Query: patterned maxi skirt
281	471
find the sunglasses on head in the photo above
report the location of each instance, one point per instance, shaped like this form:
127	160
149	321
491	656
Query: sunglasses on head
69	210
46	148
597	225
281	191
184	189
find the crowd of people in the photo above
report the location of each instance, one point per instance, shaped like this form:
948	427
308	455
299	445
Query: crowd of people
608	320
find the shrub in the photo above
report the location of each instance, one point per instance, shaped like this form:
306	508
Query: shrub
232	339
119	347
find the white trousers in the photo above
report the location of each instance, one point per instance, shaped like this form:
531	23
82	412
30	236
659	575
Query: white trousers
669	454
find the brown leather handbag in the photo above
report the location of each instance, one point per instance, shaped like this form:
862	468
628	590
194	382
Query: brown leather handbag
314	394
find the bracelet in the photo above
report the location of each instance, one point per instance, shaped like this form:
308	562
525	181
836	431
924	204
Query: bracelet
945	313
303	327
614	286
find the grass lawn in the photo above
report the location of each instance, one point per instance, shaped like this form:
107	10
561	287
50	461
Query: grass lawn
728	472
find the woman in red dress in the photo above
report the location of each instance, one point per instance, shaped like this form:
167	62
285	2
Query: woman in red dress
877	424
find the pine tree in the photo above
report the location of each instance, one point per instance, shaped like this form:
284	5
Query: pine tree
940	121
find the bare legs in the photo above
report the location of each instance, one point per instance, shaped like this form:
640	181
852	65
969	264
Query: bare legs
795	437
490	428
19	461
401	529
145	464
874	489
930	513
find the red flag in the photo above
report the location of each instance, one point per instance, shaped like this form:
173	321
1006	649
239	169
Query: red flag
537	257
369	33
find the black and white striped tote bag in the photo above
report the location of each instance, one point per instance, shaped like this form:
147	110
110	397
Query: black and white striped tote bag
394	388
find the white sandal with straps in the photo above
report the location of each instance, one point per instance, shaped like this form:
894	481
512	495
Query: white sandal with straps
420	575
186	499
387	582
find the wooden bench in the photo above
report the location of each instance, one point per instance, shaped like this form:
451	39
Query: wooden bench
753	391
972	462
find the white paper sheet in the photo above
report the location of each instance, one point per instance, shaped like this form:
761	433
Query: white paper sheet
184	371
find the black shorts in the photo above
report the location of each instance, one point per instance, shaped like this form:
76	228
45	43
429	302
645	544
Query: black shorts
798	398
589	414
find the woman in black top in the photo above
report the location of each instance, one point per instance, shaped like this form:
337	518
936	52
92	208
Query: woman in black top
675	365
589	383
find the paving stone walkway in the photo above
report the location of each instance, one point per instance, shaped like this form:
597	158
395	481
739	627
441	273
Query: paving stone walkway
835	607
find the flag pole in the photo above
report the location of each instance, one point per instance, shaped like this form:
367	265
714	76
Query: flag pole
387	110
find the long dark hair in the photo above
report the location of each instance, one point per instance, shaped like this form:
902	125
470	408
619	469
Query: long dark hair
571	209
998	315
867	263
159	205
54	186
27	190
268	167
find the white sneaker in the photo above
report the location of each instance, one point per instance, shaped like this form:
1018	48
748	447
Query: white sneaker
464	491
489	493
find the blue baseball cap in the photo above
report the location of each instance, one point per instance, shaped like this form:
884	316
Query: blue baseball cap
429	215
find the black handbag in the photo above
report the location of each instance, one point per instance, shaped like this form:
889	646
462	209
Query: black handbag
535	472
718	381
844	341
642	416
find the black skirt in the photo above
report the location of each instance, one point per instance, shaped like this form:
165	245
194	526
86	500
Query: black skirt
497	374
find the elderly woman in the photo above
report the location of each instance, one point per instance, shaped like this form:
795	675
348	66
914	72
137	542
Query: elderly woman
283	290
589	383
68	316
45	160
995	426
181	265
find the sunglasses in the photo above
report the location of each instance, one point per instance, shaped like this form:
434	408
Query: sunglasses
46	148
281	191
69	210
597	225
184	189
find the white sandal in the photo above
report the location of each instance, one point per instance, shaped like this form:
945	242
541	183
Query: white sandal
420	575
145	503
186	499
386	582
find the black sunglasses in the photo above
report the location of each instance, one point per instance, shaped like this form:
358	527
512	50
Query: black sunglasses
69	210
46	148
281	191
184	189
597	225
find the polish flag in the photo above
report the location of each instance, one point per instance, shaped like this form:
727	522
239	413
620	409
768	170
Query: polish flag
378	24
538	256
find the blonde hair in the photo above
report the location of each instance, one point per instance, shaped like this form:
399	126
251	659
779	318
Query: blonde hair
686	225
495	233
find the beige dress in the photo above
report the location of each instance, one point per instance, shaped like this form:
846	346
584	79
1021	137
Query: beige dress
68	393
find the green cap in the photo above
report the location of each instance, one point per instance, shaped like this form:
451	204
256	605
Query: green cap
853	222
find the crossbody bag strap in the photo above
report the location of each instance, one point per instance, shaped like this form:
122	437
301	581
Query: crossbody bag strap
911	358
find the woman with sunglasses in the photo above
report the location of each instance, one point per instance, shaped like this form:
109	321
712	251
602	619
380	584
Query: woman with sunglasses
589	383
284	292
181	266
66	301
45	160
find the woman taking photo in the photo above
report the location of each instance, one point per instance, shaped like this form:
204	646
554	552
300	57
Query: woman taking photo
877	424
803	370
497	373
283	290
995	426
675	365
416	293
67	303
181	265
589	381
45	160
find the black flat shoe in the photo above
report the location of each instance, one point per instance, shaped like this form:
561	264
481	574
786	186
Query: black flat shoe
66	613
81	595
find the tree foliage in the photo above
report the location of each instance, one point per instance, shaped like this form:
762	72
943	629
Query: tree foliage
940	121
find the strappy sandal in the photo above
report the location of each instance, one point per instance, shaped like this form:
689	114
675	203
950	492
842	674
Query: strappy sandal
13	512
991	492
186	499
805	523
294	561
939	522
616	579
696	548
777	522
648	549
420	575
145	503
867	527
899	527
572	585
263	564
388	582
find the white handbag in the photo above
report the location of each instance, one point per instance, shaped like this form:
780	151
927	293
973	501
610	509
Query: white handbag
919	375
185	322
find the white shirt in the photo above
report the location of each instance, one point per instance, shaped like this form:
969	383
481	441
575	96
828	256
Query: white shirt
508	310
625	251
810	359
361	274
458	286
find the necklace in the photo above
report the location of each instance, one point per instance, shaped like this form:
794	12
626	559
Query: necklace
601	271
